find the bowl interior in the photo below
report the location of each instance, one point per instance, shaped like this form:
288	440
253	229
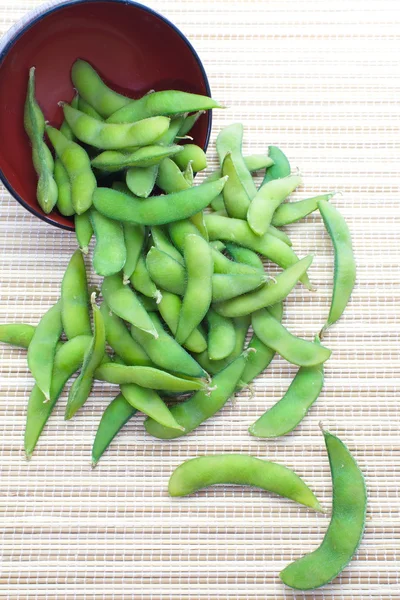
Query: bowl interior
132	48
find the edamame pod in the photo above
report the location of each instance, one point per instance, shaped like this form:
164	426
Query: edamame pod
64	200
221	336
150	403
17	334
345	529
148	156
294	349
107	136
226	287
68	359
77	164
198	293
83	231
256	162
42	348
236	199
267	200
193	155
189	122
165	352
170	178
121	341
170	308
167	273
225	266
134	236
167	102
75	298
109	254
288	412
290	212
87	108
147	377
261	355
141	180
270	293
116	415
230	140
34	123
244	256
125	304
280	168
345	264
157	210
92	88
82	385
200	407
142	282
238	232
240	469
162	242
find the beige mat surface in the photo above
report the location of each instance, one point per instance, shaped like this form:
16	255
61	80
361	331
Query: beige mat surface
321	79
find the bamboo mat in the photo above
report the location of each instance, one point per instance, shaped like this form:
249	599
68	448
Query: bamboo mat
322	81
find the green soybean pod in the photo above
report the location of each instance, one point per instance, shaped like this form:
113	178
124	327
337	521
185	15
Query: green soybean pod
230	140
217	245
42	348
260	355
109	254
92	88
238	232
115	160
291	212
280	168
157	210
267	200
170	178
244	256
68	359
229	286
141	180
134	236
64	200
170	308
179	230
167	273
76	162
295	350
82	385
116	415
34	123
200	407
150	403
240	469
106	136
121	341
166	102
221	336
236	198
198	293
147	377
345	529
189	122
225	266
281	235
83	231
162	242
87	108
75	298
125	304
218	203
193	154
270	293
290	410
256	162
165	352
142	282
17	334
170	136
345	264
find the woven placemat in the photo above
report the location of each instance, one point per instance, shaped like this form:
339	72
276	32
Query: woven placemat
322	81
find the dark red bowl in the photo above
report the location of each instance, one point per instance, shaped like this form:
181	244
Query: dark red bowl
132	47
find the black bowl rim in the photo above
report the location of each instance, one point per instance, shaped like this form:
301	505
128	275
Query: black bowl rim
29	20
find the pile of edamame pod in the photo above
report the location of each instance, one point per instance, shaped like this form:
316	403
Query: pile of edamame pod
182	287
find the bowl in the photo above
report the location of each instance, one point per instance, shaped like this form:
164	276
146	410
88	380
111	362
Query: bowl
133	48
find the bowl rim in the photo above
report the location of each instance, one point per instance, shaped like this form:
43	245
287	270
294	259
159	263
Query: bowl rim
34	16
